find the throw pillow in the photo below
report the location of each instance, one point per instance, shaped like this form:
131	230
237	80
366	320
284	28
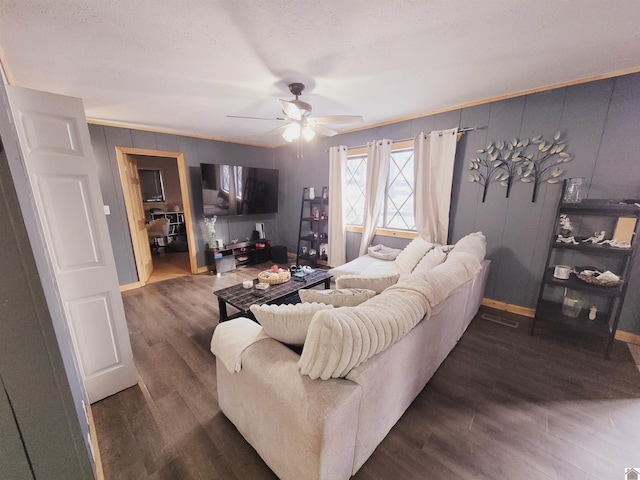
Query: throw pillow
409	257
287	323
375	283
338	297
432	258
474	243
383	252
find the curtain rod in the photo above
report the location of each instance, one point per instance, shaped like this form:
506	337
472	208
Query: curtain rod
460	130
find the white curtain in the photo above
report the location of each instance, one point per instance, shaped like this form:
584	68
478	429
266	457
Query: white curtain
434	156
378	159
337	254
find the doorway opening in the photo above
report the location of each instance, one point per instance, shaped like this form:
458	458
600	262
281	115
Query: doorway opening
154	184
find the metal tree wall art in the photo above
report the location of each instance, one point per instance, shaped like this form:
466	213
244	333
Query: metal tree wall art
544	164
507	162
490	168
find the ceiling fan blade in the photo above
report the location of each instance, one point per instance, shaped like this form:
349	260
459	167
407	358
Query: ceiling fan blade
324	131
278	130
256	118
291	110
335	119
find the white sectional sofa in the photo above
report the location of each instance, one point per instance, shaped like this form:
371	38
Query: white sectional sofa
321	414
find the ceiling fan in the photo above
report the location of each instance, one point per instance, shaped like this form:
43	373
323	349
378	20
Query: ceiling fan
300	123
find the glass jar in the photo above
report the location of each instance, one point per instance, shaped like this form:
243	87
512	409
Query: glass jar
573	193
571	303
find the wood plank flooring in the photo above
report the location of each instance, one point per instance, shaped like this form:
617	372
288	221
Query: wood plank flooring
168	265
502	405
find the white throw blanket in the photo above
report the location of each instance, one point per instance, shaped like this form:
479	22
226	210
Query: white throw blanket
232	337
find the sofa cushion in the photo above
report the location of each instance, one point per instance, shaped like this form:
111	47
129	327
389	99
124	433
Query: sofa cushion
287	323
431	259
357	266
380	269
409	257
377	283
338	297
383	252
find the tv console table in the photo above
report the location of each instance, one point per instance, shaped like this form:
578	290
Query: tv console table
241	254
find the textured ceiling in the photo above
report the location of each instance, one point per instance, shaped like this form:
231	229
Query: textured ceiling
183	66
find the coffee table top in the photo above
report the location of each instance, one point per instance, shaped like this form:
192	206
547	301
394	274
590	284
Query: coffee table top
242	298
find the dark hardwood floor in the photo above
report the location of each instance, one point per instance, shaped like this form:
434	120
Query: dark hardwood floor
502	405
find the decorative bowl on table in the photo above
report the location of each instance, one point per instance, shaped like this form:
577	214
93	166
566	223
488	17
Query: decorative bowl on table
272	277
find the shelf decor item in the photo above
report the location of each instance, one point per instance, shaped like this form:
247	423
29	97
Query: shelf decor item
606	279
210	222
571	303
573	192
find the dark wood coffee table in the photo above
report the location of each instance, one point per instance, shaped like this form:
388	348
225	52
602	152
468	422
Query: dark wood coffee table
242	298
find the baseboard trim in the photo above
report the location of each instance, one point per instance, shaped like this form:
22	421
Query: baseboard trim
204	269
97	458
628	337
509	307
621	335
130	286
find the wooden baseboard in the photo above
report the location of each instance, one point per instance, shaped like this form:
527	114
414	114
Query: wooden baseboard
130	286
509	307
621	335
628	337
204	269
94	444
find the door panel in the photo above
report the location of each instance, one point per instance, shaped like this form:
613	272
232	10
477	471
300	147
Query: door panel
64	202
140	222
58	158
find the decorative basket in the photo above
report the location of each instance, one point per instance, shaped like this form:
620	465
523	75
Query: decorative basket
267	276
591	279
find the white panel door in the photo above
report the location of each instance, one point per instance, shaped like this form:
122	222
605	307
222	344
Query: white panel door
58	158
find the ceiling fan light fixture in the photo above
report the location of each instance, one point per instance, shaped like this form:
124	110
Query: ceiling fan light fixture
308	133
292	132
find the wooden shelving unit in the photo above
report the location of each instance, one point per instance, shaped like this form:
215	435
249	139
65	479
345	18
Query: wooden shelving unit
176	227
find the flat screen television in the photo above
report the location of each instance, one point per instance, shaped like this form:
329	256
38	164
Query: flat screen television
238	190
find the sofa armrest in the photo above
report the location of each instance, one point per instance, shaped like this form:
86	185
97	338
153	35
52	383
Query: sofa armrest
302	428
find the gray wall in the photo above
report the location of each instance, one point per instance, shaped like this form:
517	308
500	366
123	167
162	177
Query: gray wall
601	121
196	151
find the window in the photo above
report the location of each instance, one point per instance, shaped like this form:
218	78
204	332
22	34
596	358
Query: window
355	188
397	211
225	173
151	185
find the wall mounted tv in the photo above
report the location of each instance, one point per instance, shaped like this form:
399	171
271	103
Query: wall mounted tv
238	190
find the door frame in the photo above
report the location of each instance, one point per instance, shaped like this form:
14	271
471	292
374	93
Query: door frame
121	155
